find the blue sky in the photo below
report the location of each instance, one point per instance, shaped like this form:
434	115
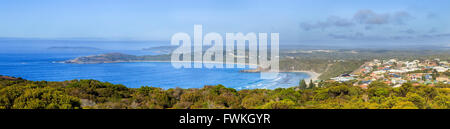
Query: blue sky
346	22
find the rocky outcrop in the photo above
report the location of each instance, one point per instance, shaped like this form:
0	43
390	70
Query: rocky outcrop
116	58
103	58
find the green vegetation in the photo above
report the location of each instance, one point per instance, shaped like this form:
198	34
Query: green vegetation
117	57
302	85
340	68
311	84
328	69
16	93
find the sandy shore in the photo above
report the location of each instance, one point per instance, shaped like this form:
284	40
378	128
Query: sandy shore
312	75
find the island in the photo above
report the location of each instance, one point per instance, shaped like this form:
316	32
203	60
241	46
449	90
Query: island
116	58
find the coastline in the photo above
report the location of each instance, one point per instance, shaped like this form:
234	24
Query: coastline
211	62
65	62
312	75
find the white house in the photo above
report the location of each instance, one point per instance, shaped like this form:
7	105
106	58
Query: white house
440	69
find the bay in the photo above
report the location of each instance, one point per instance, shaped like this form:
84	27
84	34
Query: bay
41	66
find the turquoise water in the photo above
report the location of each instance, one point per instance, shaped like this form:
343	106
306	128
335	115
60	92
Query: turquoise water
41	66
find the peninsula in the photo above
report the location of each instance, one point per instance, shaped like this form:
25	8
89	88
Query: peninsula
116	58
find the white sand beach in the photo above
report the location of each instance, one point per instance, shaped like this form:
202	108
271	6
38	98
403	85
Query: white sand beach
313	75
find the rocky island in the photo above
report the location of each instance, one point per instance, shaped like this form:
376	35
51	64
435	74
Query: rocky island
116	58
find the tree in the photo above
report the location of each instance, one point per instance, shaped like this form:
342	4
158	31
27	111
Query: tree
311	84
23	94
429	93
404	105
404	89
435	74
46	98
416	99
283	104
302	85
320	84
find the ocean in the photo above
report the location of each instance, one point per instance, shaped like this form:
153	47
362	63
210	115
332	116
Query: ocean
41	65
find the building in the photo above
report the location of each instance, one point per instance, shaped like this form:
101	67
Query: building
443	79
379	72
440	69
415	76
343	78
411	64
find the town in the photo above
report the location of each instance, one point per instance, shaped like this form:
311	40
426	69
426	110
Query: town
393	72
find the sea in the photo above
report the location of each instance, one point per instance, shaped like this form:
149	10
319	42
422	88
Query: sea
38	63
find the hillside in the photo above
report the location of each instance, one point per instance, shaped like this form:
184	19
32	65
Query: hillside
116	58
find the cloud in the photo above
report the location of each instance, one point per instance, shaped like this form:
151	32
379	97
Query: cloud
357	35
432	15
361	17
361	36
367	25
432	30
332	21
340	22
371	18
401	17
400	37
309	26
435	35
409	31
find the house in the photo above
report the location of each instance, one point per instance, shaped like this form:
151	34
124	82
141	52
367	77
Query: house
376	61
364	86
393	75
343	78
397	71
391	61
366	69
411	64
443	63
379	72
440	69
415	76
410	69
397	85
388	82
430	63
443	79
428	77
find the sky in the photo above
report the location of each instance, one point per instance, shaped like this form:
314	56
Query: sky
303	22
